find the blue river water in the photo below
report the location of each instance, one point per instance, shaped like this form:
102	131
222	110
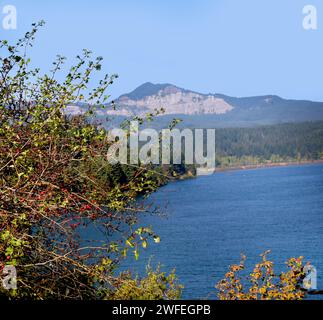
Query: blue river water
212	219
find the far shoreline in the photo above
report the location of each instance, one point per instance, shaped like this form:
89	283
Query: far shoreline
261	166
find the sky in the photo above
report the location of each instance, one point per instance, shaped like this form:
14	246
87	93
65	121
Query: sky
234	47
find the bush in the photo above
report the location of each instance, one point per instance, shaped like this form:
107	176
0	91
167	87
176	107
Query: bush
55	181
155	286
263	283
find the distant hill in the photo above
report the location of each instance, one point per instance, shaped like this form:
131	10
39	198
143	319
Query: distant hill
290	140
209	110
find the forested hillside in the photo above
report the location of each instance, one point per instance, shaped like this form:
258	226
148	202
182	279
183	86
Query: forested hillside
285	142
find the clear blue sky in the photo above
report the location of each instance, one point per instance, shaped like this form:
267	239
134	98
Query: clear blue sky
235	47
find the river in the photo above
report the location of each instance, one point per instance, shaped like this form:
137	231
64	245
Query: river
212	219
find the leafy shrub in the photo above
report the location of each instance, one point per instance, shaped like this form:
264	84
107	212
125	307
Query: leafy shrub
263	283
56	181
155	286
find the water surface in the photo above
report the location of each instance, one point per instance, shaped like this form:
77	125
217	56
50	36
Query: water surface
212	219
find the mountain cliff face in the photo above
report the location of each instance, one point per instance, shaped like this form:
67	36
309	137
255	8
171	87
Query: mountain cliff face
209	110
172	99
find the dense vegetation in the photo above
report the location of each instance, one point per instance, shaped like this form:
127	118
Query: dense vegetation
265	144
56	181
263	283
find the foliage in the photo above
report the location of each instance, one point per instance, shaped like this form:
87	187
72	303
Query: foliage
263	283
263	144
155	286
55	180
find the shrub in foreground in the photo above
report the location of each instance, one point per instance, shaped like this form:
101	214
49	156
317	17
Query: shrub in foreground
263	283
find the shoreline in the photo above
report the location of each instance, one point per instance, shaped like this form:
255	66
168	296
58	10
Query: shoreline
259	166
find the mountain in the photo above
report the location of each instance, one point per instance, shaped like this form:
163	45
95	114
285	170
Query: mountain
174	100
210	110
